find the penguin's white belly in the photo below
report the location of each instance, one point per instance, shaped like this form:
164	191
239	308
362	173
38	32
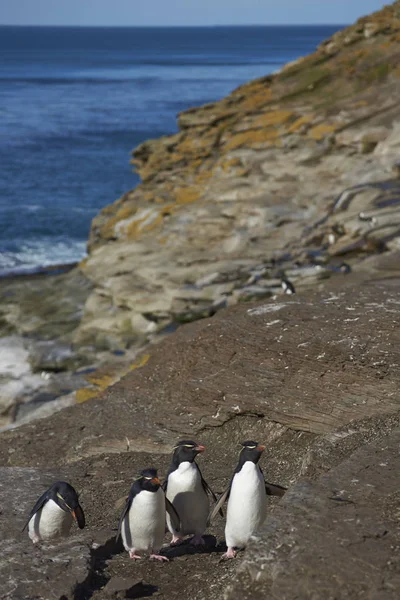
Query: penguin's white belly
246	506
186	493
144	525
49	522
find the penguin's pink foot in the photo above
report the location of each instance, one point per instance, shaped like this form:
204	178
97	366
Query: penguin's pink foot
175	540
197	540
35	539
133	555
231	553
159	557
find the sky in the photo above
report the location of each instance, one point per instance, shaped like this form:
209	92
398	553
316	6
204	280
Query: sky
183	12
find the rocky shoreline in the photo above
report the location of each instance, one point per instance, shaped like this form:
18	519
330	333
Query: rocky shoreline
179	324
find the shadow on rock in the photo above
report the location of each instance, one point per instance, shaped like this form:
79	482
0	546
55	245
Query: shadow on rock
185	548
119	587
96	578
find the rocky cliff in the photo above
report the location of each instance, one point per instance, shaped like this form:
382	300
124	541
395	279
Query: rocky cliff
294	173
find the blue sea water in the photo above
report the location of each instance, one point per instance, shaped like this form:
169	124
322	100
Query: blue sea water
74	102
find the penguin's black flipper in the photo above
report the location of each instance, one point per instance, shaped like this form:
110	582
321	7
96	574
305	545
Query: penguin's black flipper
39	504
218	506
80	516
124	513
175	518
274	490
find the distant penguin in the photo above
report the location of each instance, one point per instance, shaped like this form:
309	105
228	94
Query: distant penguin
53	513
246	495
287	286
186	488
142	523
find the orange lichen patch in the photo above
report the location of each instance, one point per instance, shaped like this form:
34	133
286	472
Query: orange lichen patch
84	394
273	117
140	362
102	381
230	166
227	164
186	195
252	139
199	145
299	123
319	132
257	99
150	220
203	177
125	212
82	263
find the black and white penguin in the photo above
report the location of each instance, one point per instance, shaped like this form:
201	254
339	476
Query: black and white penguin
189	493
246	495
142	523
53	513
287	286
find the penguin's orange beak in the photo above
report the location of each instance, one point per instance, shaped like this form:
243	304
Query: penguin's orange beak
79	516
260	448
199	448
156	481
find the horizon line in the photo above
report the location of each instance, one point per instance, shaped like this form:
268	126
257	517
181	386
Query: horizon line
181	26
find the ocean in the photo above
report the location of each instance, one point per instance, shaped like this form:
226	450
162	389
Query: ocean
75	101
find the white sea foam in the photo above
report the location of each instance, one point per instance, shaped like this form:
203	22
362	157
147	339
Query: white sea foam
41	253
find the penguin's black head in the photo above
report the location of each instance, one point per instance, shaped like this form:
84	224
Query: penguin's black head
251	451
186	451
148	480
65	496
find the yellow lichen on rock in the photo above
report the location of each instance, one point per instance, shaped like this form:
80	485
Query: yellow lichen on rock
84	394
140	362
274	117
253	139
104	378
299	123
321	131
186	195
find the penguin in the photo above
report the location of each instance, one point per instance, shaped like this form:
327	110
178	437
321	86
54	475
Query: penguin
53	513
142	523
246	495
189	493
287	286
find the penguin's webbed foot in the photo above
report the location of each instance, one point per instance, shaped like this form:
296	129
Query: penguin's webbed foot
197	540
175	540
159	557
231	553
133	555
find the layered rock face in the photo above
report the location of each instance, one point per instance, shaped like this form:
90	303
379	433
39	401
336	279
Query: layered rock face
294	173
